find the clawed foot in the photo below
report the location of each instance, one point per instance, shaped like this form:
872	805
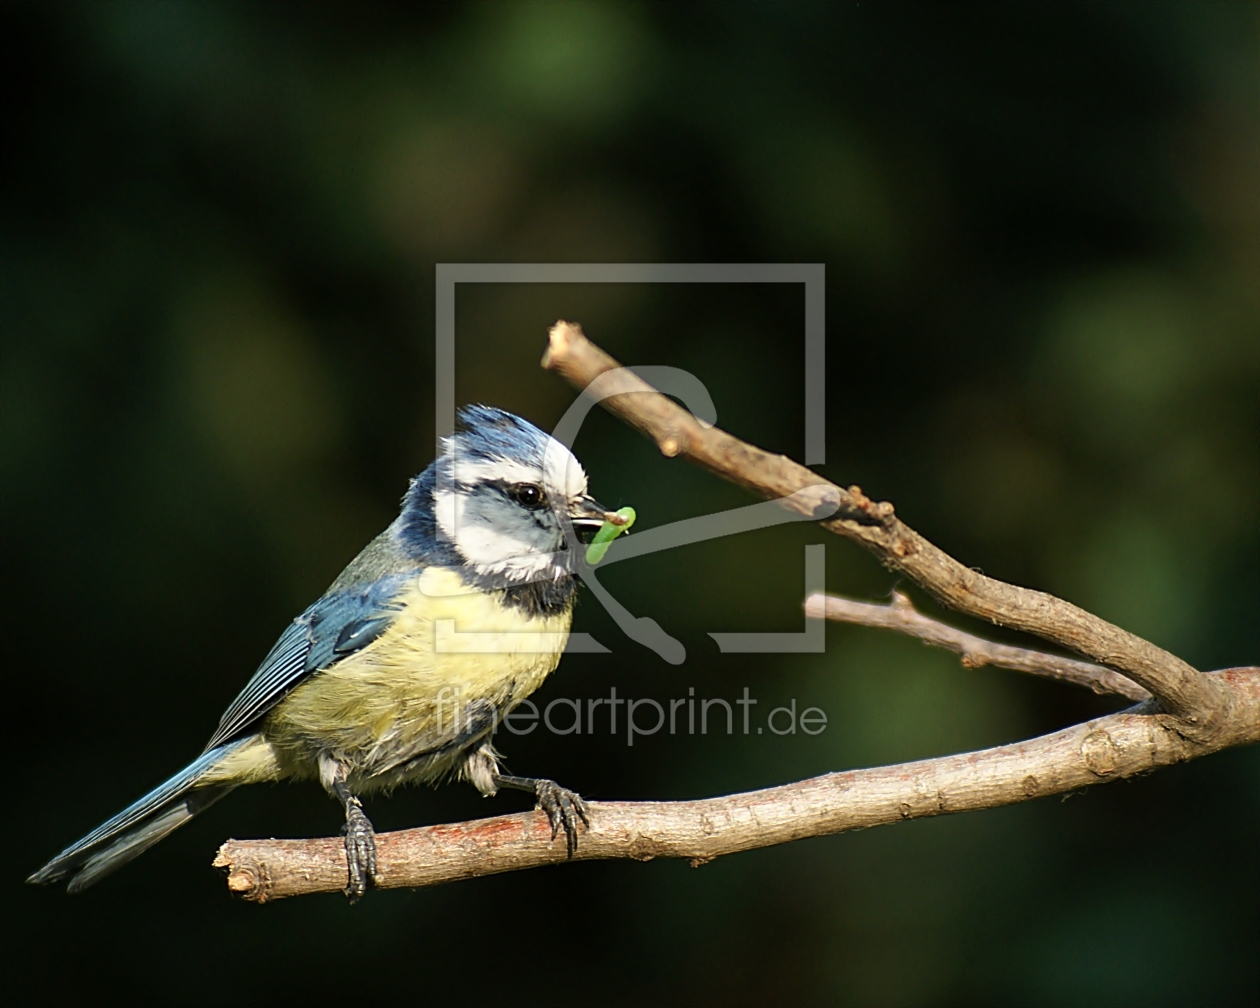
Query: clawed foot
564	808
360	851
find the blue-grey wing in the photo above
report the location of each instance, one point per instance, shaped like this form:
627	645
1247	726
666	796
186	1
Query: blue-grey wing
338	625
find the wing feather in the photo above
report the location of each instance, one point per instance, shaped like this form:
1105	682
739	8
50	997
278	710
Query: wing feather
280	671
336	626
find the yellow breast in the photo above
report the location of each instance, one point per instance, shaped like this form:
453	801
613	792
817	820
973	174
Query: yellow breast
452	654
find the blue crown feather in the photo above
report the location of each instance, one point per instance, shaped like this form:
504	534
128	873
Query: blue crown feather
485	432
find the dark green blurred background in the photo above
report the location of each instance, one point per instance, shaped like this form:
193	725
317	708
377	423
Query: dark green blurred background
1042	238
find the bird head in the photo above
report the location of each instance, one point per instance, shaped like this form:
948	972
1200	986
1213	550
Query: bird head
500	493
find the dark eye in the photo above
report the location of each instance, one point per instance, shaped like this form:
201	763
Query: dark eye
528	495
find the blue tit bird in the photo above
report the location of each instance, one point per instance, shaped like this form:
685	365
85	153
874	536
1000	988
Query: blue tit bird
401	671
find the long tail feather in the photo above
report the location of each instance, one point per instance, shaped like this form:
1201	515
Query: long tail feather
139	826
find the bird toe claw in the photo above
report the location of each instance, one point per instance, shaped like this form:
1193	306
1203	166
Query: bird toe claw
360	853
564	808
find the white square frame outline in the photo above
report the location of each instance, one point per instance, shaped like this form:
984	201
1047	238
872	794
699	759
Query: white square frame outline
811	275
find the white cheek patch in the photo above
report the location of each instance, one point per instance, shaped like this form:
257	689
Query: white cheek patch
497	537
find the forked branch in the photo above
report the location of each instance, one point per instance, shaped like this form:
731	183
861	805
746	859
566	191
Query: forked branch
1197	701
901	615
1190	713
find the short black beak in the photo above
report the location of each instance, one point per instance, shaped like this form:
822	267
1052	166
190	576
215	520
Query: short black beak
587	515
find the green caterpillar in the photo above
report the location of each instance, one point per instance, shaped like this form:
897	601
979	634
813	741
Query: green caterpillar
607	533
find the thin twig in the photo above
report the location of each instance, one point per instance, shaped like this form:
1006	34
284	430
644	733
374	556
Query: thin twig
1199	702
1106	749
901	615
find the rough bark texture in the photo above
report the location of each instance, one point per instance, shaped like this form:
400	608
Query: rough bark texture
1106	749
1186	714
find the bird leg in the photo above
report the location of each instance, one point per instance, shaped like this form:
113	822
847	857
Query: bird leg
563	807
360	843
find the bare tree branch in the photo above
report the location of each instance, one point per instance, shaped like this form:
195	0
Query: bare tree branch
901	615
1190	715
1200	703
1109	748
